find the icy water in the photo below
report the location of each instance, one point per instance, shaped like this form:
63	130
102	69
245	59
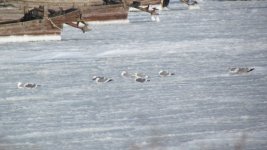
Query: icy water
201	107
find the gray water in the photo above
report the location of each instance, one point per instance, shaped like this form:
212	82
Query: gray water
201	107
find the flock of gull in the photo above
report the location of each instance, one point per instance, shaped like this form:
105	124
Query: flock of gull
138	77
141	77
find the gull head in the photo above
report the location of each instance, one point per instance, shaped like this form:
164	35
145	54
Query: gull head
95	77
20	85
124	73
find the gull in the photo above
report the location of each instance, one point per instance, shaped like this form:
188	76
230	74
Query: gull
154	11
27	85
192	4
125	74
240	70
141	80
140	75
164	73
99	79
154	15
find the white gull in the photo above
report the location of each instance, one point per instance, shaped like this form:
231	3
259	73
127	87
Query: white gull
27	85
164	73
140	75
126	74
238	70
99	79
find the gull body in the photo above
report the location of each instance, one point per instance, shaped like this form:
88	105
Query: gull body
164	73
27	85
191	4
99	79
125	74
240	70
140	75
141	80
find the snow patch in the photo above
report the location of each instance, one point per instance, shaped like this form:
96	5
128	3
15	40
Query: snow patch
29	38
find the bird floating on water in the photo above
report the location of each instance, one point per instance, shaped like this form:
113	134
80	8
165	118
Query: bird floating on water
99	79
141	80
164	73
125	74
27	85
140	75
134	75
191	4
238	70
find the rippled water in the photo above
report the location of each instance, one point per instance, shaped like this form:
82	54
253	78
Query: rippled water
201	107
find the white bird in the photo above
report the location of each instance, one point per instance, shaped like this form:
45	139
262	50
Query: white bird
240	70
140	75
154	14
164	73
27	85
101	79
128	75
125	74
